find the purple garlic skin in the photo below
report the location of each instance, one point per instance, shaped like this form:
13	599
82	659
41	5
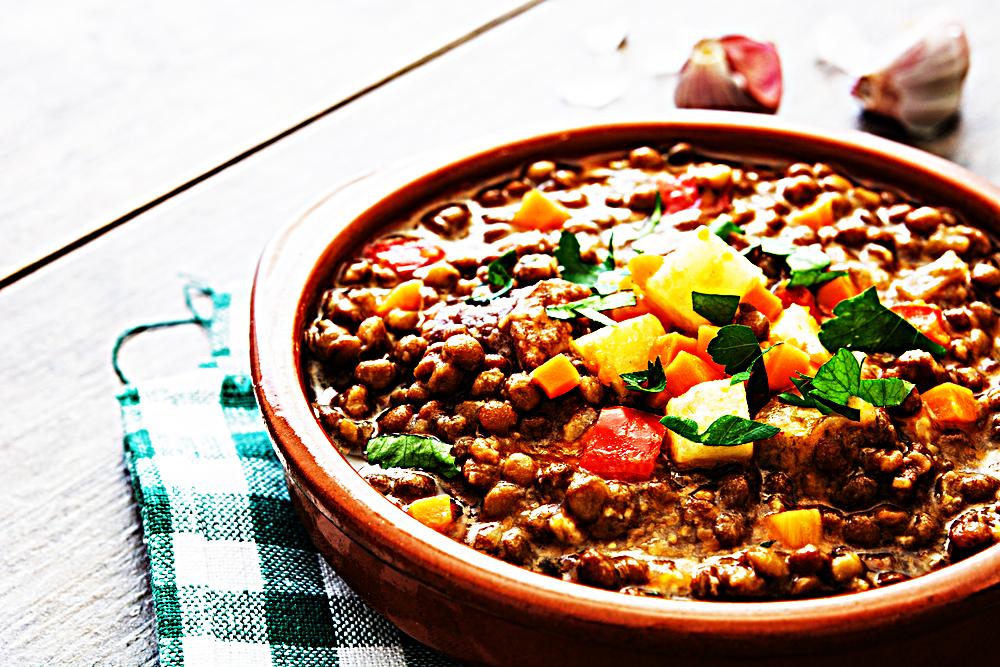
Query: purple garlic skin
921	84
733	73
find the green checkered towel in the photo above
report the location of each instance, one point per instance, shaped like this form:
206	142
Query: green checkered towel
236	580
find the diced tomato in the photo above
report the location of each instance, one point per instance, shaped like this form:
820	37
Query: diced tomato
623	444
926	319
799	295
677	194
682	193
403	255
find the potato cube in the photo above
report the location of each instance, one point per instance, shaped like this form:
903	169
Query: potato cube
705	403
702	263
798	328
611	351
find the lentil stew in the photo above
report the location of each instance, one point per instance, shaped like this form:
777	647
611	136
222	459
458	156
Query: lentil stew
505	357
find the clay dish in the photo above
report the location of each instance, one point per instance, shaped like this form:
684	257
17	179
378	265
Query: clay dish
482	611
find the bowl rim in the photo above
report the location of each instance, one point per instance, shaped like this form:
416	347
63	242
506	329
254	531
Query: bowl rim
290	268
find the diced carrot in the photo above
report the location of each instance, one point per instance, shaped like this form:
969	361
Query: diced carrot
667	347
556	376
816	215
835	291
687	370
706	333
538	212
951	403
642	267
783	363
434	512
768	304
926	318
404	296
795	528
628	312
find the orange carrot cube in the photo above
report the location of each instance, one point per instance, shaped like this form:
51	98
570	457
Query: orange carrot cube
538	212
951	403
434	512
687	370
783	363
768	304
556	376
835	291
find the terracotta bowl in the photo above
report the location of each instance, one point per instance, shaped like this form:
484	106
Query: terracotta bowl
483	611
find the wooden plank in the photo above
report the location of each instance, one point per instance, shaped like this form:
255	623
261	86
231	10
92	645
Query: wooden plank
75	583
109	105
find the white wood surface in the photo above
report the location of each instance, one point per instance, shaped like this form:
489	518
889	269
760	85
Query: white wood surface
107	104
73	576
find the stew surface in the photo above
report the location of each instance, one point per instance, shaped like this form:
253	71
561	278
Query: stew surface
674	376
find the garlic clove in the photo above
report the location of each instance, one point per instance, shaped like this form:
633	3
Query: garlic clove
921	83
734	72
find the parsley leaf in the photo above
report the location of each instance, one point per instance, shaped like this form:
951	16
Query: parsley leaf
838	380
863	323
574	269
719	309
498	275
736	348
808	259
726	431
412	451
723	226
654	219
651	380
591	307
885	392
771	246
808	267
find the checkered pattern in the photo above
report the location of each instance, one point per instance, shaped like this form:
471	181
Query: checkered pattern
236	580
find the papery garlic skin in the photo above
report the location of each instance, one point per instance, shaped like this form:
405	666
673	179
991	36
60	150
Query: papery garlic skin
921	84
732	73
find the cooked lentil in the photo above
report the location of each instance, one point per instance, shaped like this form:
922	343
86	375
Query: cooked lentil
899	494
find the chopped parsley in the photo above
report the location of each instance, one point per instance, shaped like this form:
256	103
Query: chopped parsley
651	380
591	307
719	309
726	431
723	226
863	323
412	451
838	380
498	275
809	266
736	348
770	246
654	219
574	269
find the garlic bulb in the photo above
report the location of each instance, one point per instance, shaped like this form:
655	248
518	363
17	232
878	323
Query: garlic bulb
734	73
921	83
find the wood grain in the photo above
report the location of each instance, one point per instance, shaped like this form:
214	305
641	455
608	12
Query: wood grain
75	587
108	105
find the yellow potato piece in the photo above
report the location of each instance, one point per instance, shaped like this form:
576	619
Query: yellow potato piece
611	351
702	263
705	403
798	328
